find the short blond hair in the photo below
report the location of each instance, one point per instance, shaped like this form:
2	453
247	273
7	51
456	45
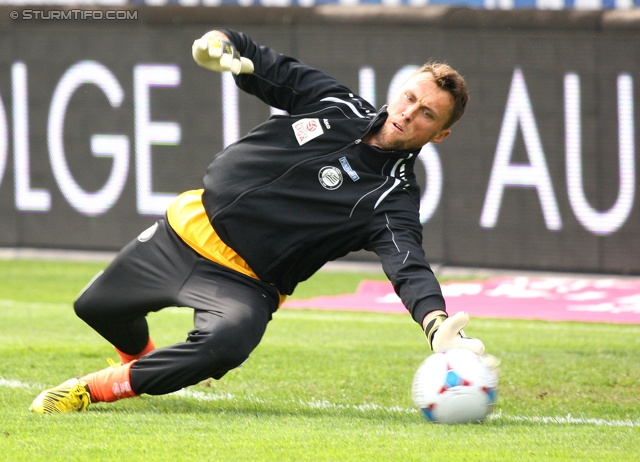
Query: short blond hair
449	80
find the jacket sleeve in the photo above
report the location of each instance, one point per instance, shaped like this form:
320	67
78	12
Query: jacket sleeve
282	81
397	240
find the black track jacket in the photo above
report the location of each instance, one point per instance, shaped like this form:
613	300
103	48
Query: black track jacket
301	190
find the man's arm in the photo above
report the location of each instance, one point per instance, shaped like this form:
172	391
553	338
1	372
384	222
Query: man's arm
398	243
279	80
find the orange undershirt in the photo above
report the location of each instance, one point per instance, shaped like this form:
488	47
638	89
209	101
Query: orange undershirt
188	218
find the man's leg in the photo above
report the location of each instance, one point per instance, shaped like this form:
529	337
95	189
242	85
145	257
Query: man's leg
238	309
232	311
145	276
231	316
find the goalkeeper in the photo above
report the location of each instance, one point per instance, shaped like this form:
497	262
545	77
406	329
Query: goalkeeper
332	176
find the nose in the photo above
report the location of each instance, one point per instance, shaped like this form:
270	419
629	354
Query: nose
409	112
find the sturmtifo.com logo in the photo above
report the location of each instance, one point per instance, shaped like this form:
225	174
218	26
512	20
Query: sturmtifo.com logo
74	15
330	177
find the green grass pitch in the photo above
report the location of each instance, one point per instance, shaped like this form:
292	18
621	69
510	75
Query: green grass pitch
322	386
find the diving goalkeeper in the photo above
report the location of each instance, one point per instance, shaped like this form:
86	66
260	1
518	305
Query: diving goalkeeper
332	176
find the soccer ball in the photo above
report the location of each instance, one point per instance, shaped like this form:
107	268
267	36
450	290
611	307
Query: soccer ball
455	386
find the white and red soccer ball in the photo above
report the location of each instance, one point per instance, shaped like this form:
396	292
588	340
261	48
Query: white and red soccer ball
455	386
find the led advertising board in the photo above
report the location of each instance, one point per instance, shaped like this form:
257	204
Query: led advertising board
101	126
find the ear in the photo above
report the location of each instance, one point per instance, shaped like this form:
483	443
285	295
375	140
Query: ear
440	136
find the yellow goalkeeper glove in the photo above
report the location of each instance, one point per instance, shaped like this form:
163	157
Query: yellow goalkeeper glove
215	53
446	332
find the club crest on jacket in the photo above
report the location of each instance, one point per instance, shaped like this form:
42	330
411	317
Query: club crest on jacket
330	177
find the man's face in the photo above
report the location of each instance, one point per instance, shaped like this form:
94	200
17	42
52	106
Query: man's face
417	115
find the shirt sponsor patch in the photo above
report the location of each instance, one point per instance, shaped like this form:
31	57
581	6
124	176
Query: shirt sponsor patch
347	168
306	130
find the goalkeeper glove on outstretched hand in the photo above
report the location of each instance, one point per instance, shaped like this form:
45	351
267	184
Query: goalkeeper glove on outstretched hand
212	51
446	332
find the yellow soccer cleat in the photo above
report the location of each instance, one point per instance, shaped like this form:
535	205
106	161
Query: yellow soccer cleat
69	396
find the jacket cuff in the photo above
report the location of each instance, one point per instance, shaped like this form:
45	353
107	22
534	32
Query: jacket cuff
426	306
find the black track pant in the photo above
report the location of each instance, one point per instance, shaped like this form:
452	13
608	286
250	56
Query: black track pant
159	270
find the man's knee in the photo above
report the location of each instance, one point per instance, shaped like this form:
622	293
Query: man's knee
225	348
81	306
84	305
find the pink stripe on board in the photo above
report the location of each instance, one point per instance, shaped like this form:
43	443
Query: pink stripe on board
541	298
